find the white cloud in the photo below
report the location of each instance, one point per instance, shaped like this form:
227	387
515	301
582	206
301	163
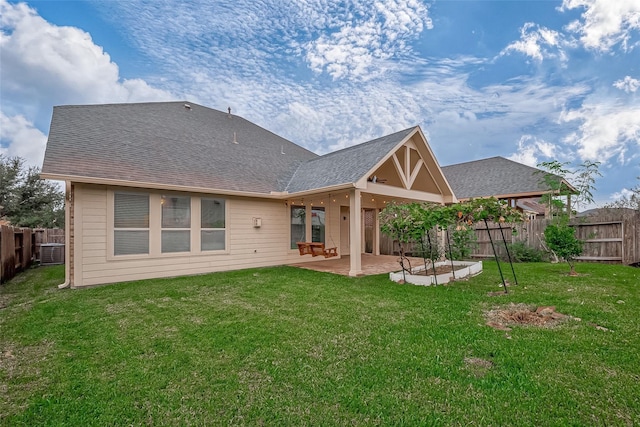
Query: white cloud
20	138
251	61
221	57
538	43
360	46
625	193
606	131
531	148
47	64
605	23
628	84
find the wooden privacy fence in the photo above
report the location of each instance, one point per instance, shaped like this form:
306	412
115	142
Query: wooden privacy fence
611	236
20	247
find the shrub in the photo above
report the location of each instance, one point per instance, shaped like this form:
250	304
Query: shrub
521	252
463	243
562	240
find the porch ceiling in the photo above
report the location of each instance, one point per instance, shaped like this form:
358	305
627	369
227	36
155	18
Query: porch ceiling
370	199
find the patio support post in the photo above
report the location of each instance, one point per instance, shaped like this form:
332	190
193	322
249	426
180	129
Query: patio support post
355	231
376	232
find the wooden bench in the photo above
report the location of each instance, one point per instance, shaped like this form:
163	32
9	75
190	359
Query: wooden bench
316	249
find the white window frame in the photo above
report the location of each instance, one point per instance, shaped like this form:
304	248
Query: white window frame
211	228
114	229
188	230
155	225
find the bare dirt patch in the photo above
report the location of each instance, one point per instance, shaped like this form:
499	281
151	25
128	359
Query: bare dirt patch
503	318
477	366
442	269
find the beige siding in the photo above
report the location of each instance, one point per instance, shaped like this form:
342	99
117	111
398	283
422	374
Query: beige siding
332	231
247	246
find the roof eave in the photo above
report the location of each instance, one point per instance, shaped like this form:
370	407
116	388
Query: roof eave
159	186
523	195
339	187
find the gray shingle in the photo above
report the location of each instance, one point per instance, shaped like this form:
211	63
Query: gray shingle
494	176
344	166
166	143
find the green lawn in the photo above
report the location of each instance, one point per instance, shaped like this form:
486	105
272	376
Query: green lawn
285	346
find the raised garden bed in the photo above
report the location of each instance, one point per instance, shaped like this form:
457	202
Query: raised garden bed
462	269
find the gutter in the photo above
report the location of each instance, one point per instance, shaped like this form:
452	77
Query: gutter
68	196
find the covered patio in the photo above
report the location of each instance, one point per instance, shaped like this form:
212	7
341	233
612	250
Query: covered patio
371	264
345	193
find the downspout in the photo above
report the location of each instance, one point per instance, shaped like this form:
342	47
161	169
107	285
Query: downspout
67	235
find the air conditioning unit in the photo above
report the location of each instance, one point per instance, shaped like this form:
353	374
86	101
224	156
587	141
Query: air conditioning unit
51	253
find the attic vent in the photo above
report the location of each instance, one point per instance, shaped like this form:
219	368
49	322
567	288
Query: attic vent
187	106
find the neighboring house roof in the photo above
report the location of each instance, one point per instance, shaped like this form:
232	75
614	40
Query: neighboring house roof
344	166
169	143
607	211
532	205
497	177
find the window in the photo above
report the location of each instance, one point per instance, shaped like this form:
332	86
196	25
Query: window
317	225
170	224
298	225
176	224
131	224
212	225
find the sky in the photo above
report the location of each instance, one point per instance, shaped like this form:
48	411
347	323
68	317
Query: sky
532	81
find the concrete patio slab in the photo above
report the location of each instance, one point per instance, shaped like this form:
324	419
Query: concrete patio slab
371	264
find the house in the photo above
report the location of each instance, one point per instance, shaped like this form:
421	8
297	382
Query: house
175	188
520	185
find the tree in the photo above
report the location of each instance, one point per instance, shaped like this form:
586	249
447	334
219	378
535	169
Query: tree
561	239
25	199
559	236
584	181
555	179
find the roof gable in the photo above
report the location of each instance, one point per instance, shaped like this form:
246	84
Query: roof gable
346	166
402	161
412	166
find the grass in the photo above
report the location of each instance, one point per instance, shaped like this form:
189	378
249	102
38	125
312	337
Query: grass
285	346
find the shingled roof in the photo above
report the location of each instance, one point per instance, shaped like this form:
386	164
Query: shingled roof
495	176
169	143
344	166
182	144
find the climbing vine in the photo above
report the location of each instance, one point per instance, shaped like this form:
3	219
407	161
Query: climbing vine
414	222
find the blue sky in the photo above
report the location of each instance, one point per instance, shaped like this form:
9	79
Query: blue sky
529	80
